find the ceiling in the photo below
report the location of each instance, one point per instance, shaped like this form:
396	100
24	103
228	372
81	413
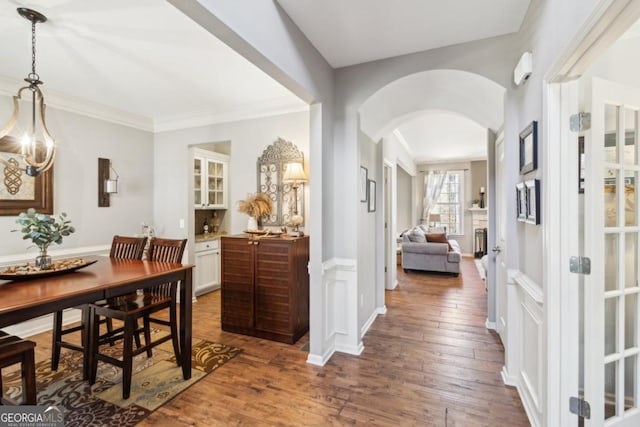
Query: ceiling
439	136
355	31
145	64
143	59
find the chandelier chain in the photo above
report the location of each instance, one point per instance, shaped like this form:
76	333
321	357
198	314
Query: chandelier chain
33	49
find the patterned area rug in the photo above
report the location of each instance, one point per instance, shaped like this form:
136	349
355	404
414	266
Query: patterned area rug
155	381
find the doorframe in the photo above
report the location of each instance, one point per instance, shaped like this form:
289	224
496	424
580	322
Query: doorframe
389	219
608	21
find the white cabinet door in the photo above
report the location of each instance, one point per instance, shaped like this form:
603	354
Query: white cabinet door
210	180
207	270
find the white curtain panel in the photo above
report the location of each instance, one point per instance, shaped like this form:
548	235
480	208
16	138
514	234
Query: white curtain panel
433	181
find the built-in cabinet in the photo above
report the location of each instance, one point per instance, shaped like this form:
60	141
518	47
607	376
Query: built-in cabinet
207	270
265	287
210	180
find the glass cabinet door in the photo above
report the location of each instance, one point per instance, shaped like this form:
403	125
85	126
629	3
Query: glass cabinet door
197	182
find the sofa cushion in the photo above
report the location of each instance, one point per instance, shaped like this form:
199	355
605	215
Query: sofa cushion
425	248
416	235
438	238
455	246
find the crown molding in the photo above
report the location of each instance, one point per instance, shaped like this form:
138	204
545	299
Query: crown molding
403	142
81	106
60	101
242	112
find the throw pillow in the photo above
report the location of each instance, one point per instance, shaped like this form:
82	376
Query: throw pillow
438	238
416	235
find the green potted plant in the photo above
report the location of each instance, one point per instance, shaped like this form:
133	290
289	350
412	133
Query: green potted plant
43	230
474	203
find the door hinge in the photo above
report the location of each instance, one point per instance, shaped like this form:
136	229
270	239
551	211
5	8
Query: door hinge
385	269
579	122
580	265
580	407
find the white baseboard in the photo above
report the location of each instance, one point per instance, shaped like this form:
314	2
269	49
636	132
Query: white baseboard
507	379
349	349
382	310
368	323
490	325
314	359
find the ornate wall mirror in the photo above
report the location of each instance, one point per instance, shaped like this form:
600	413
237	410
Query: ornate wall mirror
271	168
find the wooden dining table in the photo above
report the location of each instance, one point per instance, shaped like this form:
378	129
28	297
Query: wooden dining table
22	300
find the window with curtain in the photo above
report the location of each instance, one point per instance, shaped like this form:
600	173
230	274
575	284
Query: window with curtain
450	203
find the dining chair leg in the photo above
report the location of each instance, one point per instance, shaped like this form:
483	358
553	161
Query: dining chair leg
136	336
28	378
57	337
147	334
127	358
110	329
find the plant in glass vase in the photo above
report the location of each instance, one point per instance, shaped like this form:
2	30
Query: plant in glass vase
257	206
43	230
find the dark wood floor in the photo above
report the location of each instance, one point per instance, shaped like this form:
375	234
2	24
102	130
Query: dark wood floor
429	359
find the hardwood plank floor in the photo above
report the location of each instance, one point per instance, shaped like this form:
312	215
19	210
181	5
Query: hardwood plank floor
429	358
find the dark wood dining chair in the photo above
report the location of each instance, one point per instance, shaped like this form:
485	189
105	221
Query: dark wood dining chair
15	350
130	308
122	247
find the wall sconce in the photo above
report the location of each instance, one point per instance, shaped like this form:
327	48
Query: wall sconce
294	173
106	185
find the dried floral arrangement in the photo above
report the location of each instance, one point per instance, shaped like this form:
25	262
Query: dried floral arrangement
256	205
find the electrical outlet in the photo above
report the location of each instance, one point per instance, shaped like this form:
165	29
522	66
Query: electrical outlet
181	223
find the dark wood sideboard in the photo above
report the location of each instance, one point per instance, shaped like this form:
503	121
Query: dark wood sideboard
265	286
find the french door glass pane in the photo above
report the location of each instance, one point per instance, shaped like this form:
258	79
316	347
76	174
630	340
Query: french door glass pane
610	325
631	321
631	127
611	144
610	389
611	198
610	262
630	372
630	260
630	197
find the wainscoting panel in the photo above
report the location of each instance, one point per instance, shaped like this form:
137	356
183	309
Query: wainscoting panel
524	327
340	281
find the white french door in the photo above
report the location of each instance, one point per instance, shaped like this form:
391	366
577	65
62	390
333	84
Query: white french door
501	241
612	242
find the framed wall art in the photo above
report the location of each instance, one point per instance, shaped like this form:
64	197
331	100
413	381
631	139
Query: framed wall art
371	207
533	201
19	191
521	199
529	148
364	177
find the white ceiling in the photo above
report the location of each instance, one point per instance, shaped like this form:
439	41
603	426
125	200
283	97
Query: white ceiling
438	136
147	65
355	31
142	57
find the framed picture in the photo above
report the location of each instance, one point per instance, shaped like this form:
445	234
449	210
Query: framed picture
364	177
581	170
533	201
372	196
19	191
529	148
521	198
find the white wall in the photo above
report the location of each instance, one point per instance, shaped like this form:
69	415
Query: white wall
80	141
248	139
404	206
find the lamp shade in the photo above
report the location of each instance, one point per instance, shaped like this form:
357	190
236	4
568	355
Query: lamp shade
294	173
434	217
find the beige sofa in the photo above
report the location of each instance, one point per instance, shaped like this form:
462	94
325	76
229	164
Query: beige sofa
419	254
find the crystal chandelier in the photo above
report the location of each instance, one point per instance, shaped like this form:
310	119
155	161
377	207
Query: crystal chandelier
38	154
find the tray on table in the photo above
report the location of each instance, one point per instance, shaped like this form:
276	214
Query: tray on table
28	271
